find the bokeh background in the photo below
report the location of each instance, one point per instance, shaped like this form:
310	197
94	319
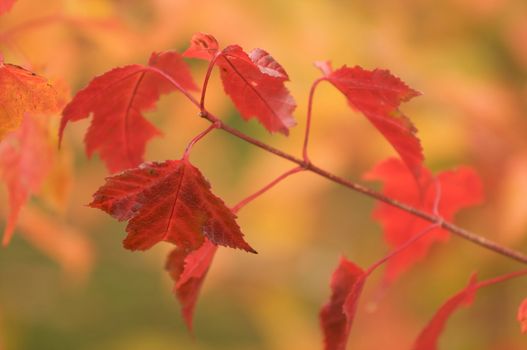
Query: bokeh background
67	283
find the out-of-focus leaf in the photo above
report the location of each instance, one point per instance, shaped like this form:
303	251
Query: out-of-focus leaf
22	91
25	159
5	5
458	189
522	315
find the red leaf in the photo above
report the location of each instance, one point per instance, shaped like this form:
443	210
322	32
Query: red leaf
25	159
458	189
254	82
22	91
5	5
377	94
522	315
203	46
188	270
267	65
117	100
427	340
169	201
336	317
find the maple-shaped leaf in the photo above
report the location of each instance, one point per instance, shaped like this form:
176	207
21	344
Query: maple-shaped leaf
458	189
117	100
188	270
25	158
254	82
169	201
22	91
336	317
5	5
378	94
428	337
522	315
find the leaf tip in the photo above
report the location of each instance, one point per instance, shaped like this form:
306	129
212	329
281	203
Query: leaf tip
202	45
324	66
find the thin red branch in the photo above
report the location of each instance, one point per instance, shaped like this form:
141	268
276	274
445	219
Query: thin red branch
197	138
264	189
173	82
501	278
434	219
400	248
206	81
308	118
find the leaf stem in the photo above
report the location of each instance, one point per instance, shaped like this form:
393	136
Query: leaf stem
400	248
434	219
264	189
206	80
308	118
197	138
174	83
501	278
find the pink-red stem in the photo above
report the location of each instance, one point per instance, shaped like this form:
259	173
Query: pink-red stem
308	118
264	189
197	138
400	248
206	81
502	278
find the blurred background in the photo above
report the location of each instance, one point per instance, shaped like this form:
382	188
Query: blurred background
67	283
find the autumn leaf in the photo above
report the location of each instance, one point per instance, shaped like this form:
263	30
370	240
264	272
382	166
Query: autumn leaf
428	337
378	94
169	201
336	317
26	156
188	270
254	82
5	5
522	315
458	188
22	91
203	46
117	99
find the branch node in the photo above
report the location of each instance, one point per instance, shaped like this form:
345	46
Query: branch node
306	164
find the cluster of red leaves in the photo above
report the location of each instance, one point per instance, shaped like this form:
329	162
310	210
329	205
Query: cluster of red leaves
25	150
29	165
171	201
